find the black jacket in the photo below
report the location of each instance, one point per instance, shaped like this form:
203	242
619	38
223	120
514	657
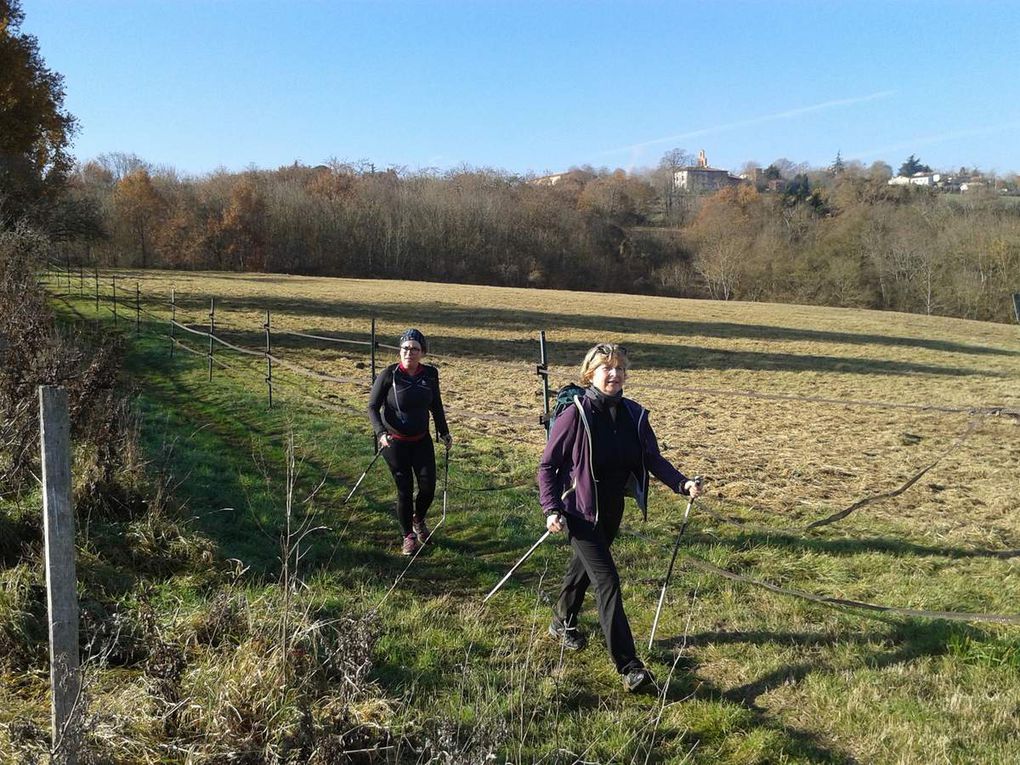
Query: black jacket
400	403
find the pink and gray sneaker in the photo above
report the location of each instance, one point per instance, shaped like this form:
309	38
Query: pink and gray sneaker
410	545
421	530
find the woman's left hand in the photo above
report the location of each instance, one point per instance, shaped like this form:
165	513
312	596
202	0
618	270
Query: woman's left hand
693	489
447	440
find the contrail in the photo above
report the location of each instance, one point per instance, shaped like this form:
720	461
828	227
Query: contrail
784	115
913	143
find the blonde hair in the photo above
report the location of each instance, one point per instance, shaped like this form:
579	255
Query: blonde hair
603	353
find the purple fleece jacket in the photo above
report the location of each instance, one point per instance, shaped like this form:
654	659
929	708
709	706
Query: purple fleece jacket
566	479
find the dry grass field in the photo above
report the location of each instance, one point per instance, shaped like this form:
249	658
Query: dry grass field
793	413
706	371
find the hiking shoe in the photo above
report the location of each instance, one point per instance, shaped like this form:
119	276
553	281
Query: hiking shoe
421	530
410	546
637	679
571	637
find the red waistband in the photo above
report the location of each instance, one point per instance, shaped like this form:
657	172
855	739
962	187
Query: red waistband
402	437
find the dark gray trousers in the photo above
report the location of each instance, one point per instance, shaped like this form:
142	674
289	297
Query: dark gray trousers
591	562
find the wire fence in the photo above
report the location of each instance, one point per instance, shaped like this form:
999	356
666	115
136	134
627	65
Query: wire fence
121	308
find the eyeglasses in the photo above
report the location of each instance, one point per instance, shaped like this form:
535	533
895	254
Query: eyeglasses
410	349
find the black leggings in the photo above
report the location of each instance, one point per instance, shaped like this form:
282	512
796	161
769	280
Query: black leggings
410	460
592	563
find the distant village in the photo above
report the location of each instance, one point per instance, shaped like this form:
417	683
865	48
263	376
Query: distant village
702	178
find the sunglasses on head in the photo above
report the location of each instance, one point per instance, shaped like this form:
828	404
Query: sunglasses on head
608	349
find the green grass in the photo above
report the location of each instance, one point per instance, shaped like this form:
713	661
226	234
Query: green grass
753	677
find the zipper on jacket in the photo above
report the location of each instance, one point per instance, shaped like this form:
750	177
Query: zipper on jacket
591	455
644	470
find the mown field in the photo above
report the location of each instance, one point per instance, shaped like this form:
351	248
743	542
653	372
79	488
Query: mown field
792	413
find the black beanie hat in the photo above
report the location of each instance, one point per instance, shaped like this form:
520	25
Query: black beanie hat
416	336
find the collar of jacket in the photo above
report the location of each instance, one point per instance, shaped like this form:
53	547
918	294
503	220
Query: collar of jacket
602	400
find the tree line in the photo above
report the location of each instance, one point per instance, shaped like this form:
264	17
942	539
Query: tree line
837	236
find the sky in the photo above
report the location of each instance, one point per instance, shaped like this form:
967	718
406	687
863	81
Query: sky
523	86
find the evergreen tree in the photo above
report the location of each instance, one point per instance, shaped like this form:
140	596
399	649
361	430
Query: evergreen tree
913	165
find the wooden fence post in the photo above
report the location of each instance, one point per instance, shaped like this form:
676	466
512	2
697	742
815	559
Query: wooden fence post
1016	306
61	586
97	291
138	308
115	298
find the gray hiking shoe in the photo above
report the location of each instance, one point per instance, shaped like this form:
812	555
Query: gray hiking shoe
571	637
638	679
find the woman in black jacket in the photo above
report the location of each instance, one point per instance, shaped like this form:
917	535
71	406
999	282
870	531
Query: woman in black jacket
402	397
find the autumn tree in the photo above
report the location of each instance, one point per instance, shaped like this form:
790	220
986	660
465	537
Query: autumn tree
724	233
244	226
34	127
676	203
139	208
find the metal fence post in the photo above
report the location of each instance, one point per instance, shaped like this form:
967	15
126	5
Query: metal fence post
173	320
542	370
61	582
372	346
212	331
269	360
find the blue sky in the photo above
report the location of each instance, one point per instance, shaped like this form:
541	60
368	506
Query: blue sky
536	86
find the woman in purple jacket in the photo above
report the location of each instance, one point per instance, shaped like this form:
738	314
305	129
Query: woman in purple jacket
600	450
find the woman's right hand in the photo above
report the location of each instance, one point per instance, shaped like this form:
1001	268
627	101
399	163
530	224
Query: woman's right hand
555	522
384	440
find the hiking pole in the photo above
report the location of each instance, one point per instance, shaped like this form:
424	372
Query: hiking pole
517	565
672	560
377	453
446	484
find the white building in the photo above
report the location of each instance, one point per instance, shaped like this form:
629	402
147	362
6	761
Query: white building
917	179
702	178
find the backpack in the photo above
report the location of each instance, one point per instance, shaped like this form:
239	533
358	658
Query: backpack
564	400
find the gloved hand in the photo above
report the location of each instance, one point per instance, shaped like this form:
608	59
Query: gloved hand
555	523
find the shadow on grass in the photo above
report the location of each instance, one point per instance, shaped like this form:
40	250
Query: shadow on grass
796	742
856	546
908	641
644	355
409	313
